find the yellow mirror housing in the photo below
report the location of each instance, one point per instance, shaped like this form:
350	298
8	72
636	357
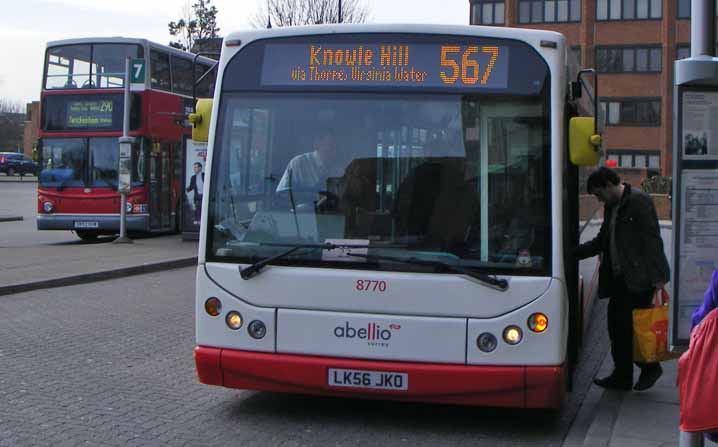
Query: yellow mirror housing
584	144
200	120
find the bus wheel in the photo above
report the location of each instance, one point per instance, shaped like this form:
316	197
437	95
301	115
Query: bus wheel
86	235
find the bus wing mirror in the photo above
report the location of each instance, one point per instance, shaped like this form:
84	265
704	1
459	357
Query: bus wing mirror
200	120
584	144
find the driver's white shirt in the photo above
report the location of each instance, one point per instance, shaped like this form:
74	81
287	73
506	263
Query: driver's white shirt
307	170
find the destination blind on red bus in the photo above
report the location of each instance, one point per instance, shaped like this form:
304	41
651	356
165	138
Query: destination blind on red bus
474	66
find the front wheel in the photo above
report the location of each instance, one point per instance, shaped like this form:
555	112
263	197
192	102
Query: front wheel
87	235
11	172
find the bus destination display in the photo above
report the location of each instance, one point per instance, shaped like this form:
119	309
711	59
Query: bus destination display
89	114
390	65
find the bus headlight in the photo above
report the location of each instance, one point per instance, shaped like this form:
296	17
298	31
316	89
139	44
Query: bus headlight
538	322
513	335
486	342
48	207
213	306
234	320
257	329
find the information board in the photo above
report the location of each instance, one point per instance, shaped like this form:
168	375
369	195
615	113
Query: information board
89	114
698	243
389	65
695	197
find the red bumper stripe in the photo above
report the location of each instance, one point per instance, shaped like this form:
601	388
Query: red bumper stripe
509	386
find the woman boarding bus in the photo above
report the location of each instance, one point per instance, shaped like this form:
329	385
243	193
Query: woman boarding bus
387	214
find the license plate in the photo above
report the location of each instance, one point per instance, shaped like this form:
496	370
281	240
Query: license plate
382	380
84	224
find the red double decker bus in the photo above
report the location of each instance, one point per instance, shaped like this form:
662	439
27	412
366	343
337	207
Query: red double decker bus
82	113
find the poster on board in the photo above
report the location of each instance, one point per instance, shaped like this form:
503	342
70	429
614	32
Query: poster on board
698	244
700	125
195	163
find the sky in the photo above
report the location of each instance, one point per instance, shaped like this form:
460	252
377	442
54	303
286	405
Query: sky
27	25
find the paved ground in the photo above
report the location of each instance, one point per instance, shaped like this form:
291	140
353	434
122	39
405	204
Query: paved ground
109	363
32	258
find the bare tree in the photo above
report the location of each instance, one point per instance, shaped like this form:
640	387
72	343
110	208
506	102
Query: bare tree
10	106
310	12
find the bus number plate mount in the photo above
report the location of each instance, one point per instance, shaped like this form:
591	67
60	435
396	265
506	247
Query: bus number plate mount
86	224
378	380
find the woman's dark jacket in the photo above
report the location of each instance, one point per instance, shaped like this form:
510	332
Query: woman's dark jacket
638	239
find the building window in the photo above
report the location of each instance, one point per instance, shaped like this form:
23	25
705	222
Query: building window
576	53
645	112
629	59
683	51
629	9
487	12
684	9
635	159
549	11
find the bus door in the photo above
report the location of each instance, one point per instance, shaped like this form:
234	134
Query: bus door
160	182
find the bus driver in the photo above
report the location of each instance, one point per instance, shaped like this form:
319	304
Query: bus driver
309	174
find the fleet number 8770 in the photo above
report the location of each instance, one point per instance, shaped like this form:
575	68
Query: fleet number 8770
464	66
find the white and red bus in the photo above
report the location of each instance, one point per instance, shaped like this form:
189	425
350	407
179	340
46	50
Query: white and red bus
392	211
82	112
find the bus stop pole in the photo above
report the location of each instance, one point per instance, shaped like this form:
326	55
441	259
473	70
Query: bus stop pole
124	182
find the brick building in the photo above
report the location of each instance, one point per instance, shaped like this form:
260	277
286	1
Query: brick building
632	43
32	126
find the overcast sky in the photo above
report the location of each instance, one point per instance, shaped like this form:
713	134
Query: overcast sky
26	26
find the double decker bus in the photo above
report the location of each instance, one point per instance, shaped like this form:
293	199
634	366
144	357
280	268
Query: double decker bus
391	214
82	119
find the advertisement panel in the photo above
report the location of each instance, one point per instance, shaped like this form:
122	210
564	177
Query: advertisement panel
194	176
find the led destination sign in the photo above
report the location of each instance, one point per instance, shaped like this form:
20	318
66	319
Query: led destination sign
89	114
390	65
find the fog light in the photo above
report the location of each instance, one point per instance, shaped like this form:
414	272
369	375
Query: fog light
257	329
486	342
213	306
128	207
48	206
512	335
234	320
538	322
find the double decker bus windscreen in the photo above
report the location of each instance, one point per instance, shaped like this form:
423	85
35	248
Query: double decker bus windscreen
456	174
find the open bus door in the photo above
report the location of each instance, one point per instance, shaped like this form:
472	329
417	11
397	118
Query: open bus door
160	187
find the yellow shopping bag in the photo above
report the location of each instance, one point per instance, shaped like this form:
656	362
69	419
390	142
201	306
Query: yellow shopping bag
650	331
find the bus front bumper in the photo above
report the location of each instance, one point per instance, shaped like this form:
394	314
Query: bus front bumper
503	386
97	222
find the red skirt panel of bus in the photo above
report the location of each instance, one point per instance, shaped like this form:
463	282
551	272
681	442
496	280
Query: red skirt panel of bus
78	201
504	386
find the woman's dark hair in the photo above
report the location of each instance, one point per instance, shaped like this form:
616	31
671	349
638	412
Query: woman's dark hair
601	178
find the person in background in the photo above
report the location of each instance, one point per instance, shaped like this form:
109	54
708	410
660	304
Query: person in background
632	268
710	301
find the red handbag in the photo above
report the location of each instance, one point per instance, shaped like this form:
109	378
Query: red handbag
697	378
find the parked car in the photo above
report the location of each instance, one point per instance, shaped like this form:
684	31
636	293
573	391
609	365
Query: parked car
12	163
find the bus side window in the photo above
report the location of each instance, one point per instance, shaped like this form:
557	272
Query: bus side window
160	70
181	75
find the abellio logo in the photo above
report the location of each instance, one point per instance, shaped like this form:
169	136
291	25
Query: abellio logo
373	333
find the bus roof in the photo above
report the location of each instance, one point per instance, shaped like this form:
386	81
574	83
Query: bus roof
459	30
126	40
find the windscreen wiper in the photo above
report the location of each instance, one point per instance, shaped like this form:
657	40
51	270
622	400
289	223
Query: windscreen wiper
252	270
487	280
